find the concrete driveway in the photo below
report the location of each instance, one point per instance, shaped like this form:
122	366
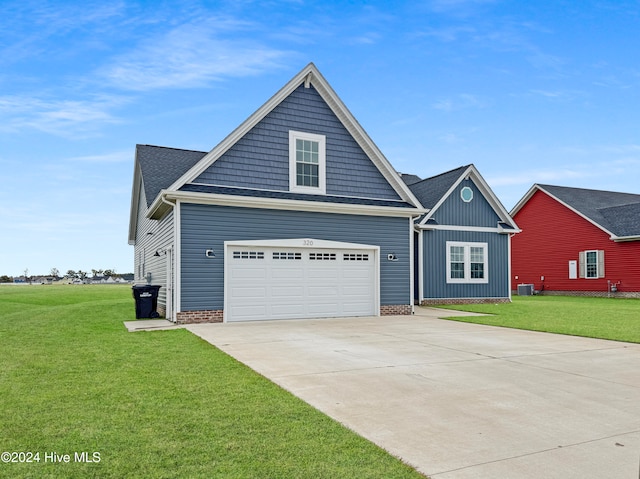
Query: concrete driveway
457	400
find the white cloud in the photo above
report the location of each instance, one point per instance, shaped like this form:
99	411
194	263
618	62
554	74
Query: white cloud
462	101
189	56
60	117
529	177
114	157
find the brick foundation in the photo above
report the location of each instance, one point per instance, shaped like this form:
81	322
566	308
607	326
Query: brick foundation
395	309
193	317
435	302
594	294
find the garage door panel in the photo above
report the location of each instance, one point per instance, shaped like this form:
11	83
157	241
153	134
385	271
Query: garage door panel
251	310
323	291
323	275
356	308
282	283
248	292
287	291
355	290
249	273
280	272
322	309
356	273
287	310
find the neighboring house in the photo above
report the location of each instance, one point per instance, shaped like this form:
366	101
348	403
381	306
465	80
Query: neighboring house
295	214
578	241
463	242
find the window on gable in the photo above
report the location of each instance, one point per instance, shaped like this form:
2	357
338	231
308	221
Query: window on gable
467	262
307	163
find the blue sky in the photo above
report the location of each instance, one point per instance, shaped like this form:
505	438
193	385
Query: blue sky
529	92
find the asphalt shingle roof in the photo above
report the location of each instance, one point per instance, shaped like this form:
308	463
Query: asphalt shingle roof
161	167
618	213
430	190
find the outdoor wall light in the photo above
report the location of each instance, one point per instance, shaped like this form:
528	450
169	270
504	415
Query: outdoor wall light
209	253
159	252
392	257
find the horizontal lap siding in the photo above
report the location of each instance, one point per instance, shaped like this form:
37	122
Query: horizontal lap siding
207	227
552	235
260	159
152	236
435	265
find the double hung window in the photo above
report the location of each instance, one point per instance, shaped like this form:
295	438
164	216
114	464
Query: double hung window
592	264
307	163
467	262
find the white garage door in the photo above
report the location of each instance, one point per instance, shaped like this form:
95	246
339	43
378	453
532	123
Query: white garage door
284	282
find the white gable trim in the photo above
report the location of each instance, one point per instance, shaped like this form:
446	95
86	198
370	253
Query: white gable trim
537	187
473	173
135	201
308	75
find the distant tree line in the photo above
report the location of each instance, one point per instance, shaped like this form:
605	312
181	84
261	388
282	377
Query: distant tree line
71	274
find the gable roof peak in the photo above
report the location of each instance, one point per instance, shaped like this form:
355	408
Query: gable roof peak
309	75
617	214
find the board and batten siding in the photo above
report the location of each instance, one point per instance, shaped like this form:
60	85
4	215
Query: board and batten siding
260	159
206	227
435	284
152	236
477	212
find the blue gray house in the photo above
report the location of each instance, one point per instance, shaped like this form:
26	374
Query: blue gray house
463	242
295	214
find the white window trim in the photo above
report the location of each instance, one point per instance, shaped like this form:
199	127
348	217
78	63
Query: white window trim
599	264
467	263
321	189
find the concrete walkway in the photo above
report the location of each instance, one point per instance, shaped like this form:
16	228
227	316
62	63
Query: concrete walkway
457	400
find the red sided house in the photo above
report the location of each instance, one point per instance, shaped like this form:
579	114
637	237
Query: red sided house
577	241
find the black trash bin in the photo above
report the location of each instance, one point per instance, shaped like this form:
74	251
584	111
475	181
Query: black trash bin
146	297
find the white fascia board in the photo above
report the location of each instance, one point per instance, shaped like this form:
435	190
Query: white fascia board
210	158
312	243
278	204
308	75
488	193
473	173
362	138
622	239
569	207
135	202
475	229
444	197
524	199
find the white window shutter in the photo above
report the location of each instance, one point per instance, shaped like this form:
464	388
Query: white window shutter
600	263
582	264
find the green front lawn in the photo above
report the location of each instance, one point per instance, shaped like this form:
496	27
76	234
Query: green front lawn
605	318
151	404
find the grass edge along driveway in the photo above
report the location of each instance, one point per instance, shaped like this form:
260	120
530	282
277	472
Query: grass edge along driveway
603	318
151	404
